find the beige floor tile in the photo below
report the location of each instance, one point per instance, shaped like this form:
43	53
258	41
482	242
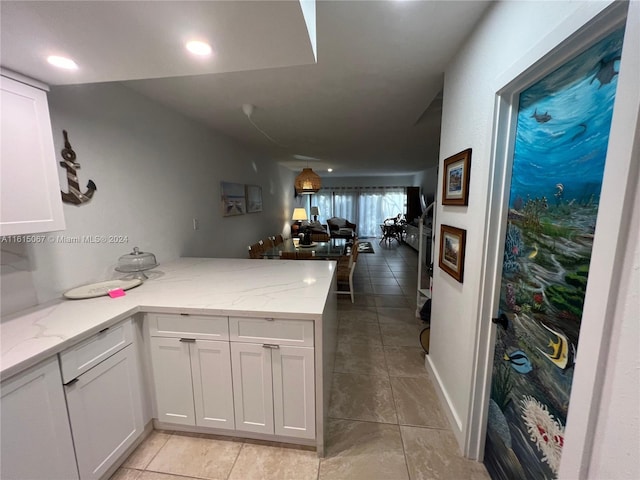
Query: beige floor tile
361	358
384	280
359	332
363	451
404	315
196	457
360	315
264	462
405	361
400	335
417	402
391	301
148	449
361	300
387	290
160	476
126	474
434	454
362	397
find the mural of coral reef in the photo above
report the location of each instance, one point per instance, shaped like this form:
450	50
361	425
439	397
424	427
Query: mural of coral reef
559	156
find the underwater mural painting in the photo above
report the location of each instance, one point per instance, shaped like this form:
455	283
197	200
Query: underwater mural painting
559	156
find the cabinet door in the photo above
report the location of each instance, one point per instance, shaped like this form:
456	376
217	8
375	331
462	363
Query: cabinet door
252	387
172	378
29	187
212	386
294	392
35	434
105	412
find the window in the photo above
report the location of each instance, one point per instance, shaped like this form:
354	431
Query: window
367	207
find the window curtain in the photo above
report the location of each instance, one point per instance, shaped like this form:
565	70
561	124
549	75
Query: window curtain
367	207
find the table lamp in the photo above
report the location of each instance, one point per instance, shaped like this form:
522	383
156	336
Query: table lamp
315	212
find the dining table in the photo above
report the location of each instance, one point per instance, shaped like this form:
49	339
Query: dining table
322	250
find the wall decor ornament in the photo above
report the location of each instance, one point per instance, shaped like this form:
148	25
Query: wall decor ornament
254	198
452	248
74	195
233	199
455	179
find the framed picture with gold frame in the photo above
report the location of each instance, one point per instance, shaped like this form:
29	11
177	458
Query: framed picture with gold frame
455	179
452	248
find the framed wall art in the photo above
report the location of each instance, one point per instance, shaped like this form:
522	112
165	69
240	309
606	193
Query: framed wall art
452	248
233	200
455	180
254	198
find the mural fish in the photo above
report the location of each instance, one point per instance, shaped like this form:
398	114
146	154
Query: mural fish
519	361
541	118
583	130
606	71
533	254
562	354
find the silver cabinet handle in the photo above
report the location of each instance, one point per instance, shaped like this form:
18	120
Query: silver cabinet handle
270	345
188	340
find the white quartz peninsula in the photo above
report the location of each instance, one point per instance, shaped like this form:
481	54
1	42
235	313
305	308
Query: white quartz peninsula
230	288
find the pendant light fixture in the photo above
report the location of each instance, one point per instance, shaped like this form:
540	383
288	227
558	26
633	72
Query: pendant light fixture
307	182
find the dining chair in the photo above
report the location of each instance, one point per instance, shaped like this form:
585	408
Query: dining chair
288	255
278	239
346	267
306	255
256	250
268	243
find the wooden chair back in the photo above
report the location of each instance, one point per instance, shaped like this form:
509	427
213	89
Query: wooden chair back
288	255
305	255
256	250
278	239
268	243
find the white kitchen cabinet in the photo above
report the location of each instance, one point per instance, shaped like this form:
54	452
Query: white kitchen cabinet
102	386
35	435
273	381
192	376
30	192
273	388
252	387
171	364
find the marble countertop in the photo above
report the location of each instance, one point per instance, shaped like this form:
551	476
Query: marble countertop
236	287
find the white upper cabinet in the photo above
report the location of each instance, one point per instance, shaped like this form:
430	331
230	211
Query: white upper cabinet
30	192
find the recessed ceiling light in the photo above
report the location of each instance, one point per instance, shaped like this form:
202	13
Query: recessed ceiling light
329	170
62	62
199	48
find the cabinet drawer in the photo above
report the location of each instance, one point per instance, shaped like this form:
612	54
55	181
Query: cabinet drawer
82	357
279	332
191	326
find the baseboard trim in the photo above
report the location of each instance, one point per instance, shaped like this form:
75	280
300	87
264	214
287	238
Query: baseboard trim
454	420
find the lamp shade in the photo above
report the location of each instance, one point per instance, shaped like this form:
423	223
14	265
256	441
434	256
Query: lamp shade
315	211
299	214
307	182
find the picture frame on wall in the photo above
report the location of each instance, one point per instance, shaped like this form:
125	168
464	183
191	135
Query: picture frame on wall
232	197
455	179
254	198
452	250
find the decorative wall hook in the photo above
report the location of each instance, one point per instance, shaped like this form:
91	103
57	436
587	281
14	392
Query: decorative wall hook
74	196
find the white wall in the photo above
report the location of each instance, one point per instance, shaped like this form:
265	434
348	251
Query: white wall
510	38
155	171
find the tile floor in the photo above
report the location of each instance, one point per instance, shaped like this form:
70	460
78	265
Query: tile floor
385	419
